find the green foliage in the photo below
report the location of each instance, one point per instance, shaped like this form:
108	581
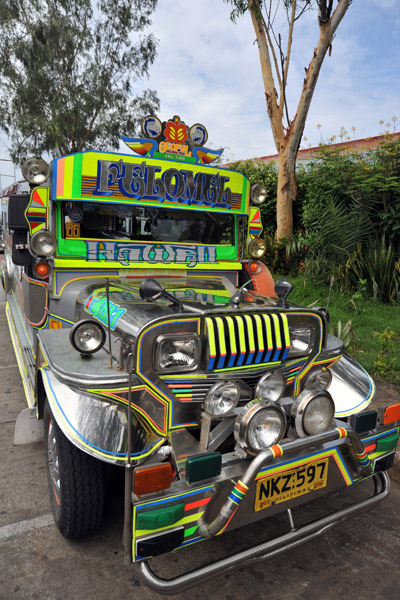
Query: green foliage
369	318
343	332
386	358
351	213
69	72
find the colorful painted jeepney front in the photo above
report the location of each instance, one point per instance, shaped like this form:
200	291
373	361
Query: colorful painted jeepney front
224	405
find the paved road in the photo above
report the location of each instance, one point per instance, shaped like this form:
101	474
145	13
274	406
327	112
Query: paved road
359	560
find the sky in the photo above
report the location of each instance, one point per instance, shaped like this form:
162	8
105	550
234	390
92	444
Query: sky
207	71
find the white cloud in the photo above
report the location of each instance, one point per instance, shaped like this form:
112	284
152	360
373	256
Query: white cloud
207	70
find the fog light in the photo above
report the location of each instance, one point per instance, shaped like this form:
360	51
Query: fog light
43	243
313	412
87	337
259	425
257	248
387	443
321	379
35	170
271	386
258	193
222	399
160	517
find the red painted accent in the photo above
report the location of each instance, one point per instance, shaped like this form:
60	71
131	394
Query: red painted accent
197	504
175	131
36	197
370	448
342	432
277	450
263	282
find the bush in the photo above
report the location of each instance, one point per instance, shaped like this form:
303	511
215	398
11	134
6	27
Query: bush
351	213
346	219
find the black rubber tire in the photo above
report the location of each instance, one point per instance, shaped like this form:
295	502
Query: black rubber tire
76	483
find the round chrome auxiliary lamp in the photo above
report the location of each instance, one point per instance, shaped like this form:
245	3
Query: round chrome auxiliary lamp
87	337
259	425
313	412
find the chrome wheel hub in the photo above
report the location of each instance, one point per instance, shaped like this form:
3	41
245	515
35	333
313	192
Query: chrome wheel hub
53	460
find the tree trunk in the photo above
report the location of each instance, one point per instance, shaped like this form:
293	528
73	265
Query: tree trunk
288	140
286	191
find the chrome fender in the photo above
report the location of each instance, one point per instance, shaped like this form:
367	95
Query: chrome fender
352	389
96	426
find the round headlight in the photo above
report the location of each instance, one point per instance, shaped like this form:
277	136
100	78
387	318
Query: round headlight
270	386
43	243
259	425
87	336
222	399
318	379
258	193
313	411
257	248
35	170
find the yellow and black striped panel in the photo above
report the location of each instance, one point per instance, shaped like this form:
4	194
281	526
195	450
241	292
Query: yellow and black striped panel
244	340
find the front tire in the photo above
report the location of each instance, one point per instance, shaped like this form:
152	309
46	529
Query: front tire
76	483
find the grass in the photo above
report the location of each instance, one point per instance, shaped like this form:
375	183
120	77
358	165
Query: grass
379	354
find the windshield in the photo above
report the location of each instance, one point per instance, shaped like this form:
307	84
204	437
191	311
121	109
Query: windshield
91	220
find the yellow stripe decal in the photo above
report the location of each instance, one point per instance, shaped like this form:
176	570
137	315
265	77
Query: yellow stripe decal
222	344
267	322
250	333
211	342
242	340
232	341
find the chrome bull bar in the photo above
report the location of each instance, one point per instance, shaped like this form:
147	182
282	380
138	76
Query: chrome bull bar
271	548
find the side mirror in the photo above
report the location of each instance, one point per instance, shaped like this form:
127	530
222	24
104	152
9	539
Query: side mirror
150	290
283	287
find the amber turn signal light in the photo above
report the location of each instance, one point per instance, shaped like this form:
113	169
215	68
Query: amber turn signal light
152	479
389	414
41	269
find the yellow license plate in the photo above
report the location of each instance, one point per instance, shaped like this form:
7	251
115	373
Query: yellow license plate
291	484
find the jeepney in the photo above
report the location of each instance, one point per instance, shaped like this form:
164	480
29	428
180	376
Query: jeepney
151	338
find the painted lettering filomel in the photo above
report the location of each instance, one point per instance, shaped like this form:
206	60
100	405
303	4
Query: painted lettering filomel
151	341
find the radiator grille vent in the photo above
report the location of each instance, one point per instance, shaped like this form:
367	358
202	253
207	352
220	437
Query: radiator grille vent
245	340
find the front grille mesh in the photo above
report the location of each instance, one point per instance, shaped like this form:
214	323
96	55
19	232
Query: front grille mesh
247	339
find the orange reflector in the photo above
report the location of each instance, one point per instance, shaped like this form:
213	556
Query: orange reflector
55	324
152	479
41	269
254	268
391	414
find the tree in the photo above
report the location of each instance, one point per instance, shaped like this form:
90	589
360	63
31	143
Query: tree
275	59
69	71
